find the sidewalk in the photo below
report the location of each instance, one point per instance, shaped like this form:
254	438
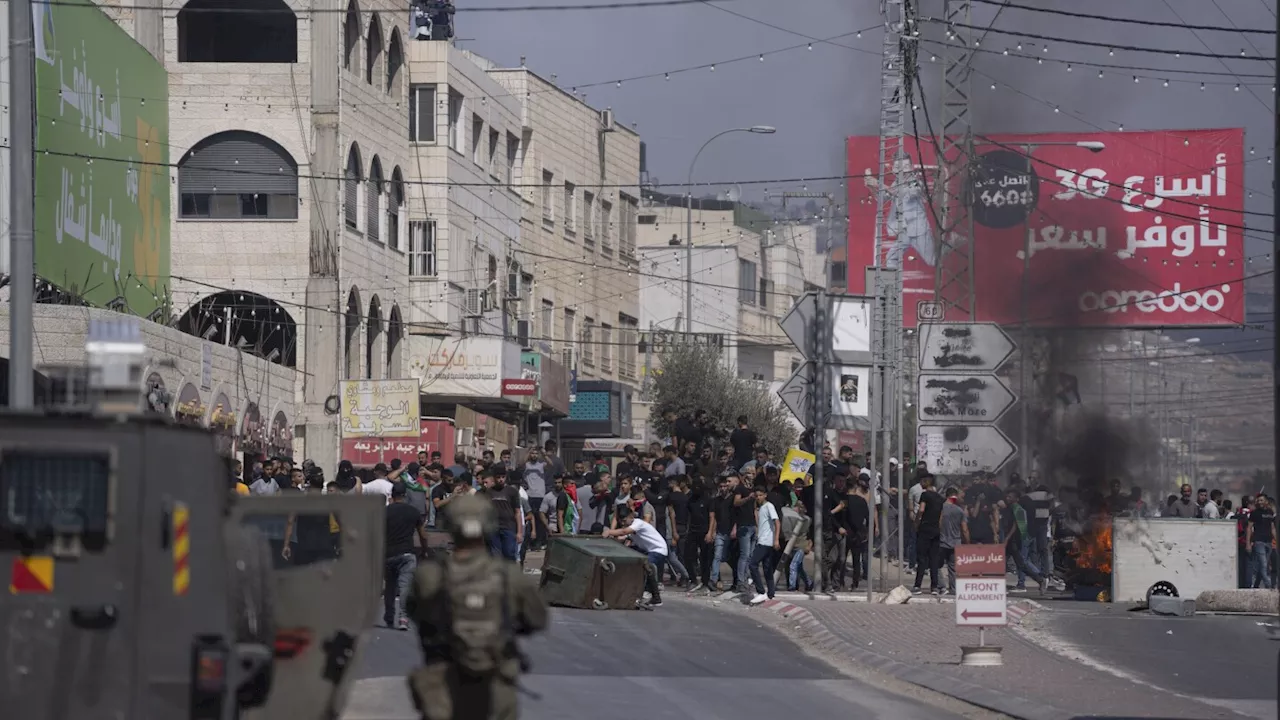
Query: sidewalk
919	643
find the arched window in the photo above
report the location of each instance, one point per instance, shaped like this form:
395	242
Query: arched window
256	323
238	175
373	52
351	188
351	335
374	339
377	199
395	61
395	207
351	38
395	343
246	31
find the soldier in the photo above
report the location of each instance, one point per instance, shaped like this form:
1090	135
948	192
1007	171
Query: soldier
469	608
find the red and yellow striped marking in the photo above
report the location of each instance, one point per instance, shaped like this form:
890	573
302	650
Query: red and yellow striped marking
31	575
181	549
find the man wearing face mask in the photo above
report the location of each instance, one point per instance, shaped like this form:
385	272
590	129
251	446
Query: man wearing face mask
1183	507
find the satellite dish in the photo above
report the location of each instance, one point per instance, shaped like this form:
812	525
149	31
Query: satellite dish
734	194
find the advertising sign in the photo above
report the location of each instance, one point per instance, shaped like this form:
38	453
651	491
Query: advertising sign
437	434
1145	232
982	602
980	561
101	228
380	408
463	367
526	387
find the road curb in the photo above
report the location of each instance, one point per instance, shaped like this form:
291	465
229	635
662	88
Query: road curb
820	638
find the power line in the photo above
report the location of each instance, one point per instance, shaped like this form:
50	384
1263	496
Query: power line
1132	21
1113	66
1110	46
623	5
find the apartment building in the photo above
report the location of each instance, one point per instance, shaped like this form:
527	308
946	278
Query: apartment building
289	229
747	273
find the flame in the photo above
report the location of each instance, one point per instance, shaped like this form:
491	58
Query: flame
1093	550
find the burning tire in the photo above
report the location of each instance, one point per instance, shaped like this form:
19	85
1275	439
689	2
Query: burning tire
1163	589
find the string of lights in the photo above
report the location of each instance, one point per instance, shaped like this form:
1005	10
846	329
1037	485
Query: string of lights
399	10
1124	20
1200	39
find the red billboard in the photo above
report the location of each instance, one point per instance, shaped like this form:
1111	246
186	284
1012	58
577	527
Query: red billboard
436	434
1119	229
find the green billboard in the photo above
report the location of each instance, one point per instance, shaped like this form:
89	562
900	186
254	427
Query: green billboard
102	156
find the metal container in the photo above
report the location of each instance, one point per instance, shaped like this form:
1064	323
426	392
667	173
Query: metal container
592	572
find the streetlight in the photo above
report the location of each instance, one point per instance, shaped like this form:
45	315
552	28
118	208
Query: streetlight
688	221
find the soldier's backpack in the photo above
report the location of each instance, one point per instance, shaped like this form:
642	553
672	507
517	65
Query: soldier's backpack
477	614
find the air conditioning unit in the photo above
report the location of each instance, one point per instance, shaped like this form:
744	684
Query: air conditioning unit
513	286
606	120
473	302
524	329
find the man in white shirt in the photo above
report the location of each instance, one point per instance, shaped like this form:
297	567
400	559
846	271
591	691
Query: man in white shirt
646	539
379	485
768	546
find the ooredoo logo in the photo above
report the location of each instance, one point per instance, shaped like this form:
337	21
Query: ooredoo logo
1168	301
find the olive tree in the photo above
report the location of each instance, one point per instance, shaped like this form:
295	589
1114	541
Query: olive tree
695	377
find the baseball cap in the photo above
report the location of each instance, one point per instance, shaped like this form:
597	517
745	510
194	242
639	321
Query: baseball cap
893	461
399	490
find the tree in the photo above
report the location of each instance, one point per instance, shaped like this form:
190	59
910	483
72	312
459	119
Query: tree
694	377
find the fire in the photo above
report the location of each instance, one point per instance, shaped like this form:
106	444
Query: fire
1093	551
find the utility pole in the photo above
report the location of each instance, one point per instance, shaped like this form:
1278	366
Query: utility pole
1275	294
820	334
22	262
954	288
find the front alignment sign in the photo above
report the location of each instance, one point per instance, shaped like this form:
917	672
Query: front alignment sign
981	602
1147	232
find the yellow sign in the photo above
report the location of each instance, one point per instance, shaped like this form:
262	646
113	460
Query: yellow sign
380	408
31	574
181	549
796	465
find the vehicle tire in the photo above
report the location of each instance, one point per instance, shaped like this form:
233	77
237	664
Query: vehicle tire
252	598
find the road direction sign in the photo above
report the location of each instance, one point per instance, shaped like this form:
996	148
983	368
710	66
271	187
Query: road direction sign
850	316
963	347
798	392
796	323
963	398
981	602
963	449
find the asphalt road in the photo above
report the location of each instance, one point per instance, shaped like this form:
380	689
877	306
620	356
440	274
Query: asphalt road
679	662
1229	661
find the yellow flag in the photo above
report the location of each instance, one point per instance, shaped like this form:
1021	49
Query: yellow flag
796	465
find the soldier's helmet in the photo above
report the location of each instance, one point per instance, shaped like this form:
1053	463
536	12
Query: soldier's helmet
470	517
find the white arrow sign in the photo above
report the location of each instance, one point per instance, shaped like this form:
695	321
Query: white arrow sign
963	449
797	394
963	398
850	319
963	347
796	323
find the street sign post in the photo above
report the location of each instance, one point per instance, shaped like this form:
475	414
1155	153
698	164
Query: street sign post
963	347
963	449
847	359
981	599
963	398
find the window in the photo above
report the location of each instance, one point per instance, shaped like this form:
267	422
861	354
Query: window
351	38
422	113
839	273
569	328
477	138
455	121
238	175
570	207
546	328
265	32
422	248
765	292
588	217
548	210
628	332
373	52
373	205
588	343
494	135
628	214
747	282
513	154
394	208
395	61
606	348
606	232
351	189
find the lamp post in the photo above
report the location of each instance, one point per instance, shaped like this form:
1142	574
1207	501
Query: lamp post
688	238
1024	362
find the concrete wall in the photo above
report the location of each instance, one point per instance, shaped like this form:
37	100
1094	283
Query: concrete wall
592	278
60	332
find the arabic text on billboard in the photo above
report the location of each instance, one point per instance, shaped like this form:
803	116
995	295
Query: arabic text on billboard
380	408
102	228
1145	232
467	367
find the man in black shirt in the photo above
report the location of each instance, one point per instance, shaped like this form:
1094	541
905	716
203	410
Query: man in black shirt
724	528
858	520
403	522
1262	521
929	535
630	464
835	532
506	503
743	440
678	520
698	543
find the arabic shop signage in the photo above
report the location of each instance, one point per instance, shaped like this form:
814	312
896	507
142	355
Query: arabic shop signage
660	341
380	409
462	367
1004	189
552	380
525	387
437	434
101	229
